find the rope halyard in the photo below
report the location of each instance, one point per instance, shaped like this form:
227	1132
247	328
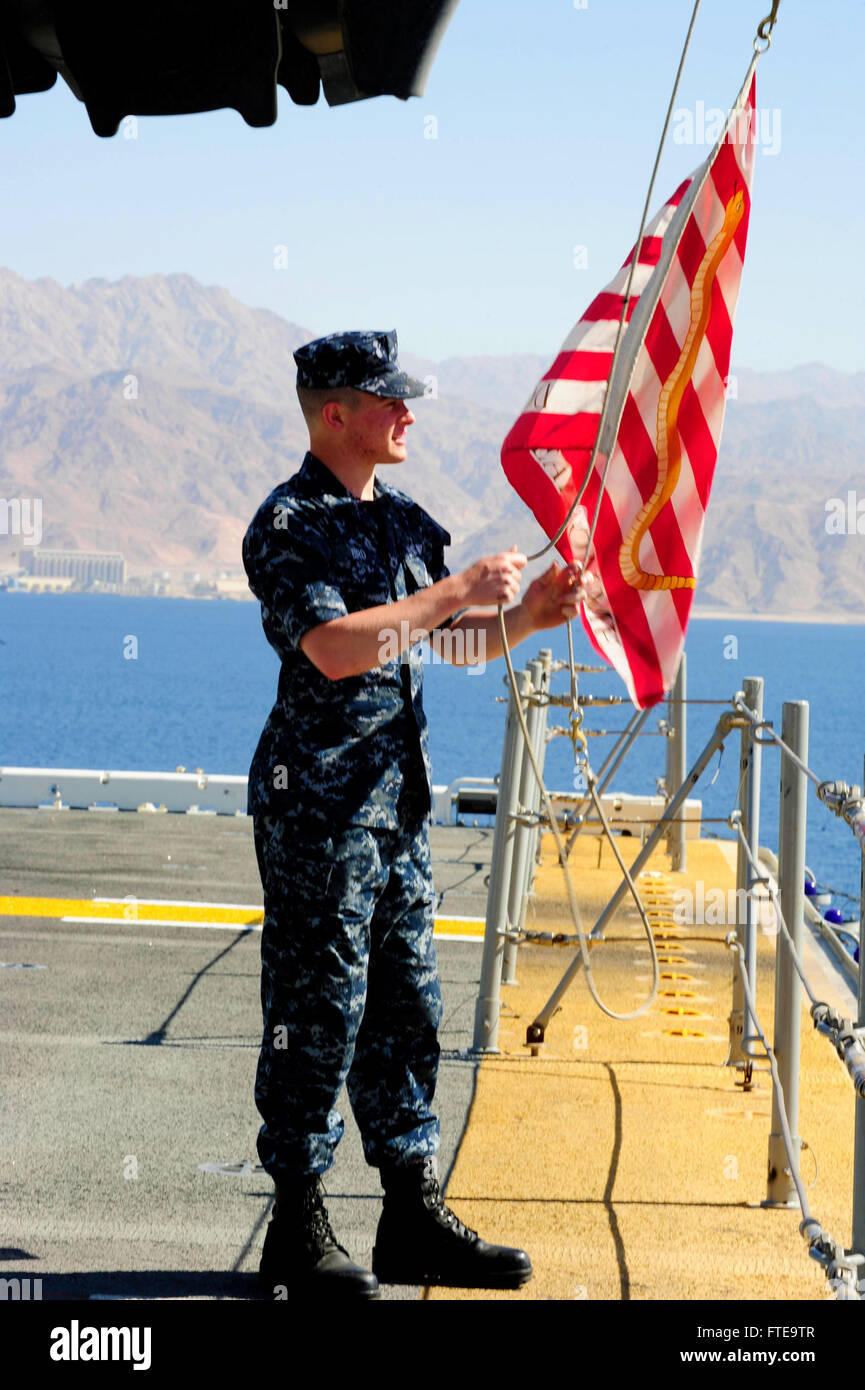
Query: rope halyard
560	845
578	737
761	43
620	331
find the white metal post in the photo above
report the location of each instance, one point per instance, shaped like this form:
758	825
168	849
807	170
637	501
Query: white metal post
523	836
742	1027
788	988
677	767
489	1002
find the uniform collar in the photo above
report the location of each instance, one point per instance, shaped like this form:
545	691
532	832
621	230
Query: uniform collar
324	481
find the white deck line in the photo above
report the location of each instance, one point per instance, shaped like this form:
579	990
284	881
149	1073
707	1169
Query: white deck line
160	922
180	902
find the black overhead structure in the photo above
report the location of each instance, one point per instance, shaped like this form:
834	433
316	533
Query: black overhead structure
170	58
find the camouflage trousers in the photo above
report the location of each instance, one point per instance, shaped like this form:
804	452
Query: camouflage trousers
349	994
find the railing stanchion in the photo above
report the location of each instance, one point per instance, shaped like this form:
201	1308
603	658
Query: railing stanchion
524	834
741	1022
539	745
545	657
677	766
788	988
488	1002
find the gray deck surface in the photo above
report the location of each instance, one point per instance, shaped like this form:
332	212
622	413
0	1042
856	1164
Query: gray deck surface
130	1058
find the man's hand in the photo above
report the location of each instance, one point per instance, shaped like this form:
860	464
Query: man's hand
554	597
494	579
551	599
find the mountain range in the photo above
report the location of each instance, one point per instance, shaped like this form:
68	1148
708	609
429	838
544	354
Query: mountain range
152	415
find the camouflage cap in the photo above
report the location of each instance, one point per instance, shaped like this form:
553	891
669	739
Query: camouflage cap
364	361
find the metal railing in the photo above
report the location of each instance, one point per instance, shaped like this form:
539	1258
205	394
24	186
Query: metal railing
518	824
70	788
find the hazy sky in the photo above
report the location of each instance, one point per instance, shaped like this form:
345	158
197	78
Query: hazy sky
546	120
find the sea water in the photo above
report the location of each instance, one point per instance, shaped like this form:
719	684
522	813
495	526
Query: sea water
152	684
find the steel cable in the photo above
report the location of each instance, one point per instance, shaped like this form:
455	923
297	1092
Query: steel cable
840	1271
736	825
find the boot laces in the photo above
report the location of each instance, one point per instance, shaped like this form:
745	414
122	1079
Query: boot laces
435	1203
320	1230
321	1233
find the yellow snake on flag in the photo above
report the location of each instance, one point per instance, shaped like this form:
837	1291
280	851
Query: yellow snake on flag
668	442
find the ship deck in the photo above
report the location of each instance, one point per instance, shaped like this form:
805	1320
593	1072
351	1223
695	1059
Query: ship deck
624	1157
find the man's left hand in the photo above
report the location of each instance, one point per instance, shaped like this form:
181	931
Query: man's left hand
554	597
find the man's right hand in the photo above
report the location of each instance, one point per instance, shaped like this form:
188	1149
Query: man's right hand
494	579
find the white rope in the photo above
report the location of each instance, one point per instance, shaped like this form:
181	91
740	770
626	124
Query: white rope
620	330
562	850
563	857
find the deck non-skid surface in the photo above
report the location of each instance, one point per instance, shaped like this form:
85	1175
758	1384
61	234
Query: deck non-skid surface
624	1158
130	1046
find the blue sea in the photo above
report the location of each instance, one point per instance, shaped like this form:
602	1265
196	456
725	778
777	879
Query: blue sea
203	678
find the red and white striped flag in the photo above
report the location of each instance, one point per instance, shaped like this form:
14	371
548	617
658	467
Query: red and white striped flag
672	371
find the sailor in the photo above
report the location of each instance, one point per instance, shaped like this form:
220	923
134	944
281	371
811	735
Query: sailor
350	574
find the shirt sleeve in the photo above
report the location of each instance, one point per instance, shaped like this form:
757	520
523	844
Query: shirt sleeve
289	565
435	539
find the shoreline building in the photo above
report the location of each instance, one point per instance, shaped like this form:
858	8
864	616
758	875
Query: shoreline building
84	567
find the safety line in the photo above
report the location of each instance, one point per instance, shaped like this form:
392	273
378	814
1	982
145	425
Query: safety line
842	1034
736	824
840	1269
764	727
835	796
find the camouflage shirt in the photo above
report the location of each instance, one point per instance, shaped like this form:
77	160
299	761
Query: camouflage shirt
351	751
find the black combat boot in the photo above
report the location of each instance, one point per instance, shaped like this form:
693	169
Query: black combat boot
421	1241
301	1254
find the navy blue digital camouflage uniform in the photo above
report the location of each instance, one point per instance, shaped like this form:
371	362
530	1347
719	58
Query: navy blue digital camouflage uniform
339	789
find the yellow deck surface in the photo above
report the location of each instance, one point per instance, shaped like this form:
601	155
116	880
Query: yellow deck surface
624	1158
